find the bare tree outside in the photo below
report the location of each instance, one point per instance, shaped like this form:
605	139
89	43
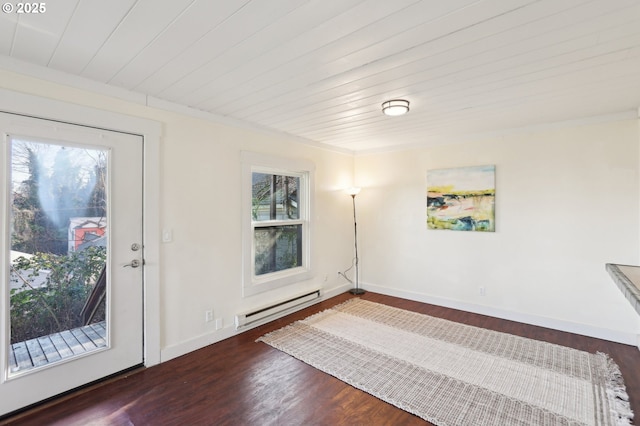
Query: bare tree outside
55	266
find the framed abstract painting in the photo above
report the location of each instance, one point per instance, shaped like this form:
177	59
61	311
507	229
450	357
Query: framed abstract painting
462	199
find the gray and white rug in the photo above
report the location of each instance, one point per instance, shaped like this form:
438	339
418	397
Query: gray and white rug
454	374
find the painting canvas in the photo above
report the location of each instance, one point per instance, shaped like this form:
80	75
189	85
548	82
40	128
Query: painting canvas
461	199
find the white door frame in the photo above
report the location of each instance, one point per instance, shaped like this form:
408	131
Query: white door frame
35	106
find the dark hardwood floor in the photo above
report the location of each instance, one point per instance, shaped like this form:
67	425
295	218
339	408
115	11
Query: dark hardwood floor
241	382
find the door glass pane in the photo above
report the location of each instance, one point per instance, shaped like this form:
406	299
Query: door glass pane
58	223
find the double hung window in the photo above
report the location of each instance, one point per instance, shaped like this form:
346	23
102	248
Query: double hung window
277	200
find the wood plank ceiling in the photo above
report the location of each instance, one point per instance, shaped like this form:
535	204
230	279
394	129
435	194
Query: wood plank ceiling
320	69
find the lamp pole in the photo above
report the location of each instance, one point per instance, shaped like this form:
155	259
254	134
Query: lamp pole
356	290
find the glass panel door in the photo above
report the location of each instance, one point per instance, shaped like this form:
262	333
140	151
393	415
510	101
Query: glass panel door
72	257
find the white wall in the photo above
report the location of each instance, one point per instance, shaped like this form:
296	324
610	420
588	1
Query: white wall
567	202
200	174
202	267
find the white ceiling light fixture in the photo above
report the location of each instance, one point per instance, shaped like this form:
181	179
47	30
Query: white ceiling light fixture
395	107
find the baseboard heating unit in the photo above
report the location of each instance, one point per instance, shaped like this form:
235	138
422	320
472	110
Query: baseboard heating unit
249	318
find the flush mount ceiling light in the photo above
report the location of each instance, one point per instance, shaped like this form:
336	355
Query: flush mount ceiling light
395	107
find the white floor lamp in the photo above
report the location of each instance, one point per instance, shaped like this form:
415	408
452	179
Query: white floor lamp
356	290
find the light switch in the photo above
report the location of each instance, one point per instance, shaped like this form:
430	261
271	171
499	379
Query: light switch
167	236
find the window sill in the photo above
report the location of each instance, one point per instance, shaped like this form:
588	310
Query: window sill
275	280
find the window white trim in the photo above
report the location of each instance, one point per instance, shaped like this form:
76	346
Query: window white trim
263	163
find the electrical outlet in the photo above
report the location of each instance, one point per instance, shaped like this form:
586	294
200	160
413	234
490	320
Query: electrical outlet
482	291
218	323
208	316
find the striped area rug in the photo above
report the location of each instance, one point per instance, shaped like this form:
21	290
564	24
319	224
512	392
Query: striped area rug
454	374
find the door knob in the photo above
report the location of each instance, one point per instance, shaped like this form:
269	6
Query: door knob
134	263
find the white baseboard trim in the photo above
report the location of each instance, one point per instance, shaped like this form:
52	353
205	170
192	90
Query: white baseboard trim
196	343
555	324
201	341
207	339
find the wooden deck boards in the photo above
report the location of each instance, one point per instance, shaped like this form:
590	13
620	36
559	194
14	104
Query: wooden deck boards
55	347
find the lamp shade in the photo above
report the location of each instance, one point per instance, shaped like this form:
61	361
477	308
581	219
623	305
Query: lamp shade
353	191
395	107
